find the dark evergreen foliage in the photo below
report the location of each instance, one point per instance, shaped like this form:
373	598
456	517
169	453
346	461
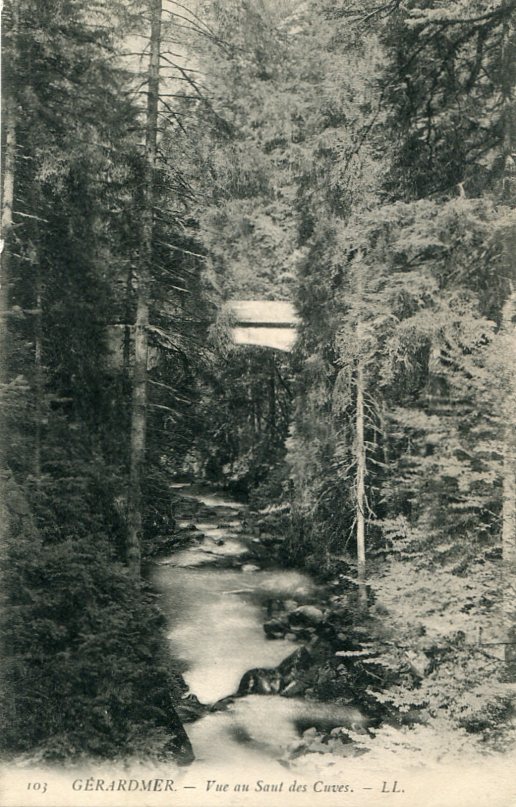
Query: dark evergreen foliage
87	671
355	159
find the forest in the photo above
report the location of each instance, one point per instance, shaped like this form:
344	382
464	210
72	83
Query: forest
161	159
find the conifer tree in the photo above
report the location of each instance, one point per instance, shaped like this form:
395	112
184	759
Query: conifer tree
139	386
72	682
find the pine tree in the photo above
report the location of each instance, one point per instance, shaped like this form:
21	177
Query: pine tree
68	598
139	390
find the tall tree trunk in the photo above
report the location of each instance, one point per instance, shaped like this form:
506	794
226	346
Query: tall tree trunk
360	449
272	394
126	349
8	171
8	176
509	542
38	376
509	468
37	323
509	328
139	385
360	481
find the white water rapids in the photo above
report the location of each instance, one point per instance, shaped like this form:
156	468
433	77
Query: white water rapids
215	616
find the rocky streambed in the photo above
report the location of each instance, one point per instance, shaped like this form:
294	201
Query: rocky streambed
264	651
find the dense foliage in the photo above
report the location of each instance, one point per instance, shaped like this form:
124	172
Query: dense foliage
410	297
357	159
390	131
87	669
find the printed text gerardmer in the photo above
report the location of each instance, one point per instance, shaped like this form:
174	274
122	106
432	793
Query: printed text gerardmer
167	785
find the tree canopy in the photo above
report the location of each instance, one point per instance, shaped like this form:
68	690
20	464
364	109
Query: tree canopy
160	159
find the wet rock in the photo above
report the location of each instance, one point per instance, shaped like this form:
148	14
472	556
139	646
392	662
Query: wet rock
190	708
336	624
165	544
177	745
189	535
267	539
297	672
185	506
222	704
301	632
250	567
186	526
300	659
260	682
275	609
275	628
293	690
305	616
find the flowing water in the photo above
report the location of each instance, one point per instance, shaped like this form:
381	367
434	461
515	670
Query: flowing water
215	600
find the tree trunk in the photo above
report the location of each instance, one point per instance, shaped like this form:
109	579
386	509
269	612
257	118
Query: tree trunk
38	376
509	329
509	474
139	385
360	449
360	484
509	548
272	395
8	171
126	349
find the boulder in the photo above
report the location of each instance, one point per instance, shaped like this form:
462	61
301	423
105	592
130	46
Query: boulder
186	526
305	616
222	704
260	682
305	632
275	608
275	629
300	659
190	708
267	539
293	690
297	672
188	536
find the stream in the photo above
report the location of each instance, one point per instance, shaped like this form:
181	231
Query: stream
251	749
215	599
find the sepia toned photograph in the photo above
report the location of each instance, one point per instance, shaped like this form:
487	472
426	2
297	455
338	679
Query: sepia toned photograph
258	403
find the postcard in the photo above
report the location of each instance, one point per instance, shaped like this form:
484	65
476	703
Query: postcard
258	403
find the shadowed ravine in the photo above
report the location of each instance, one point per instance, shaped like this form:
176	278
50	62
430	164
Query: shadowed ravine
215	599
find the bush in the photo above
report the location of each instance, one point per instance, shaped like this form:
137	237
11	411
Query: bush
85	663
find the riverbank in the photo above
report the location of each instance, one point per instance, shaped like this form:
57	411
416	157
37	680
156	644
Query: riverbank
280	665
271	658
275	712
